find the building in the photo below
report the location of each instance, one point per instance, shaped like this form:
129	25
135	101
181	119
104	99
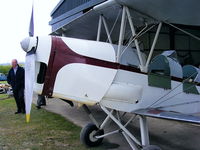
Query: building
67	12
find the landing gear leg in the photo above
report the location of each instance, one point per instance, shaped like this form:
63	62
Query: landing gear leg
89	134
92	134
145	135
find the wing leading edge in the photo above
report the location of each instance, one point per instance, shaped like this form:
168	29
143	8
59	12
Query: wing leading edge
156	113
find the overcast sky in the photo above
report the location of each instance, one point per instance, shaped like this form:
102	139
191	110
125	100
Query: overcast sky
14	24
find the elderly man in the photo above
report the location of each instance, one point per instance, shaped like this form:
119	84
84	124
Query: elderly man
16	79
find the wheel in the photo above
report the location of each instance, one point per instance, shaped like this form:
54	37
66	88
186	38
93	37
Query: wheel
151	147
88	134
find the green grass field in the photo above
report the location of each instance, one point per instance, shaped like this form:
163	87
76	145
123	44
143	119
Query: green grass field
46	130
3	81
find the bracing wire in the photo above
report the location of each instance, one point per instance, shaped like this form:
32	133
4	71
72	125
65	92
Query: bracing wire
143	31
179	104
188	33
114	24
174	95
170	91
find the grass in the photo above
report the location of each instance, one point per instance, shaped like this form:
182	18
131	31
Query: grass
3	81
46	130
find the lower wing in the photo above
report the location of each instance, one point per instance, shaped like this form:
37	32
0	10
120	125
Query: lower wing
156	113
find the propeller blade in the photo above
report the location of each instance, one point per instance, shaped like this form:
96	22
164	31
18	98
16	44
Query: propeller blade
31	25
29	46
29	80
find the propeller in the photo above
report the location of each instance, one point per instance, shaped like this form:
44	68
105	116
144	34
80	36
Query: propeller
29	45
29	80
31	25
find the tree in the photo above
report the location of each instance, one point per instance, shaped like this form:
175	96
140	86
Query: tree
4	69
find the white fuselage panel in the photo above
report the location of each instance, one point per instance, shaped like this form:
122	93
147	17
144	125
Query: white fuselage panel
100	50
85	82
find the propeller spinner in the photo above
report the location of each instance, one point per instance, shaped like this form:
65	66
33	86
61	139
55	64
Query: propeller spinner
29	44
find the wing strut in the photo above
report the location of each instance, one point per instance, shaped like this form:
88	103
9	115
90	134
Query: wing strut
121	34
134	34
153	46
99	28
102	19
126	14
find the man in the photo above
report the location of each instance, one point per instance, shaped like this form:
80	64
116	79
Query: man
41	101
16	79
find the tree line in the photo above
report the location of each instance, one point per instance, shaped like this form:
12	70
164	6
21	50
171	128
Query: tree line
4	69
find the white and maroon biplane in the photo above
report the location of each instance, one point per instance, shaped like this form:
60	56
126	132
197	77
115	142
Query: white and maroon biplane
116	76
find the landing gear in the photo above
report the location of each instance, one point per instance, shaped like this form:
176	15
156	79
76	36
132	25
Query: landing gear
89	135
92	134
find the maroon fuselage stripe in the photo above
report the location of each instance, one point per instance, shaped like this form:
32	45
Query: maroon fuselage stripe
62	55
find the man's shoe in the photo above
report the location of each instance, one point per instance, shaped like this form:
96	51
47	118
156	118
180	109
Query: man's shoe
17	112
43	104
38	107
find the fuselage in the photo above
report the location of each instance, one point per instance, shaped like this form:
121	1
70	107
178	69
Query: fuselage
86	72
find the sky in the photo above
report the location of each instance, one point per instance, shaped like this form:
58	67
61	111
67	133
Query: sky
15	16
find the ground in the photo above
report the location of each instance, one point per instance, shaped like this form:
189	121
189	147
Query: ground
51	131
169	135
46	130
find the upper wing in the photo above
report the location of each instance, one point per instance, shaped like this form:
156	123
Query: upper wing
171	11
84	24
168	115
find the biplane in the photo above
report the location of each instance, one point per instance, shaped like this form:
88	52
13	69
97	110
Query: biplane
109	67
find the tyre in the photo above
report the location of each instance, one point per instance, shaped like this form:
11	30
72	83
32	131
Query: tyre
88	133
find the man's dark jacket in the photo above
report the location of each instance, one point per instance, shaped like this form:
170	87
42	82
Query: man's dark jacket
16	81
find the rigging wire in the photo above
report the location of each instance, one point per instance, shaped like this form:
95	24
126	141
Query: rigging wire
192	102
171	90
137	36
174	95
114	23
188	33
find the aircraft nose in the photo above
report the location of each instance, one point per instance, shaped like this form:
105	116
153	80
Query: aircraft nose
29	44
